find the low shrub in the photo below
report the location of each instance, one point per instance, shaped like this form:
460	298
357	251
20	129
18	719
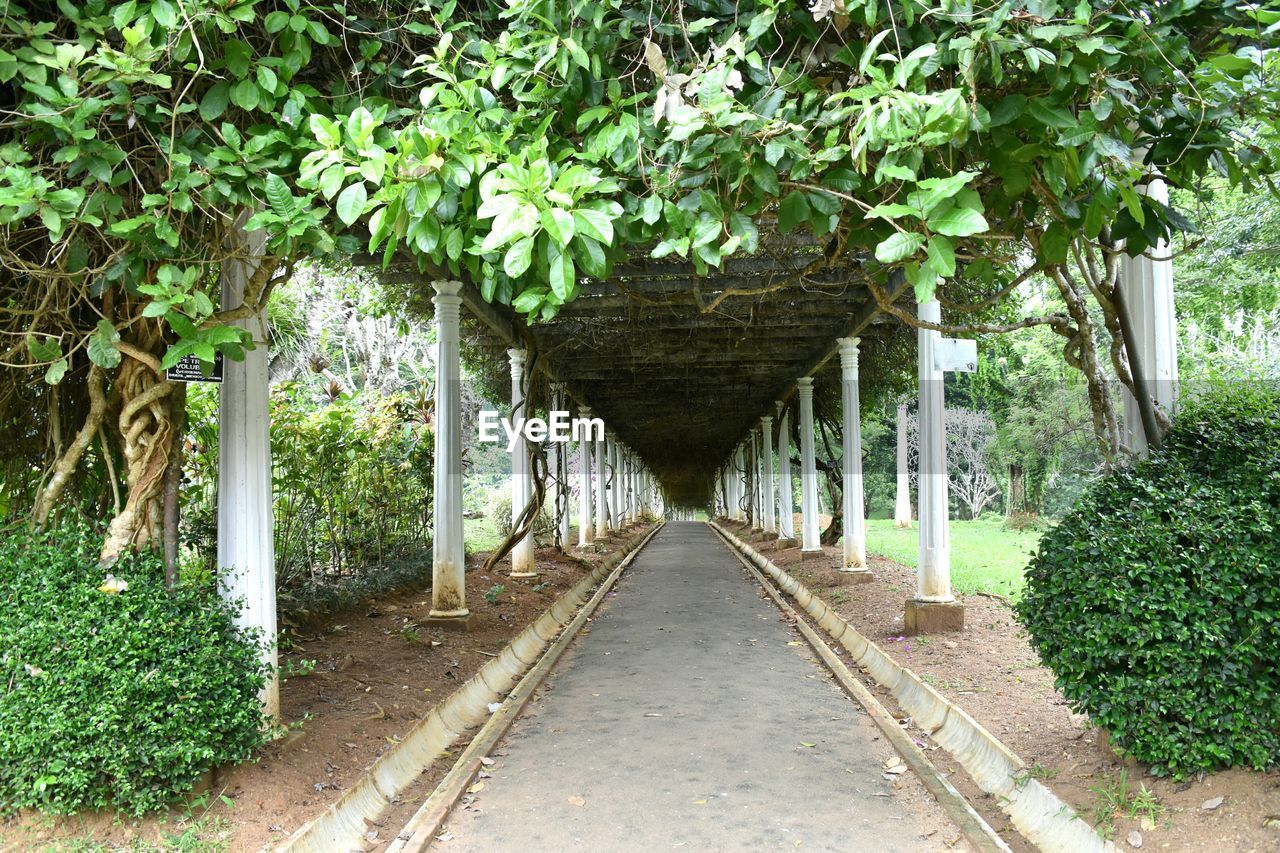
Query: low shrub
114	700
1156	601
500	518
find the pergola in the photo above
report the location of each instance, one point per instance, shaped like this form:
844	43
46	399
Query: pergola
696	378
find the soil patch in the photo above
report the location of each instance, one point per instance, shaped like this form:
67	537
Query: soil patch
376	672
991	671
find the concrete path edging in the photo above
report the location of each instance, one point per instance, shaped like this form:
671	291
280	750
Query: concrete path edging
343	825
1037	813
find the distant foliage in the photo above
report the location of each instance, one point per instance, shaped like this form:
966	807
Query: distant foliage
120	699
352	487
1157	601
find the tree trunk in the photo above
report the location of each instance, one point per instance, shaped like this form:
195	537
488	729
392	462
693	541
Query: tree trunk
146	438
1017	491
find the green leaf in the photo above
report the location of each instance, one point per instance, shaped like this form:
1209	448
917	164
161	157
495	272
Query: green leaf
214	102
351	202
560	273
958	222
102	345
899	246
558	223
278	196
56	371
1055	244
595	224
43	350
793	212
245	95
529	301
942	255
1050	115
894	211
518	257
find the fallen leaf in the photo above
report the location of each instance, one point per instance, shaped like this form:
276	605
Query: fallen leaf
476	788
1271	820
699	802
486	761
1210	805
576	800
1135	839
807	744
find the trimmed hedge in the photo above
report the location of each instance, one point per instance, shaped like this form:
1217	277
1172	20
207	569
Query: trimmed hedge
1156	602
114	700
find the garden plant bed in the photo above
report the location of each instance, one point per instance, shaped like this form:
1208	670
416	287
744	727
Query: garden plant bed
376	673
990	670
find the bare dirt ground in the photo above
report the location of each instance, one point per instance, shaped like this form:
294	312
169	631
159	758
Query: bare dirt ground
990	670
376	673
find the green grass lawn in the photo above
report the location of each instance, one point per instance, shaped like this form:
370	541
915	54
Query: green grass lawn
986	556
479	534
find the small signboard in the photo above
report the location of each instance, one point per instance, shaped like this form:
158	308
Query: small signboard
958	355
191	369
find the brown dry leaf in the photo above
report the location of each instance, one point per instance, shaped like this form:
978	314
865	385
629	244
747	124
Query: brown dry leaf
476	788
575	800
486	761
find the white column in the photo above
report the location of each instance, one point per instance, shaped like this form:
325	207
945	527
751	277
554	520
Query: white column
786	494
586	530
902	506
448	554
631	488
246	537
1148	295
766	459
554	482
753	471
855	526
933	579
740	484
619	485
808	470
559	470
522	562
602	493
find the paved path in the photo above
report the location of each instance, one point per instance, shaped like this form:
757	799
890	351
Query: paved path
689	717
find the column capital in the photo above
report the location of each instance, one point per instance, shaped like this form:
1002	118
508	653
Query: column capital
804	387
518	355
849	356
584	411
445	287
447	301
766	422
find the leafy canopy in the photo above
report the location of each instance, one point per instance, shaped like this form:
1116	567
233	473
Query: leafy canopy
532	143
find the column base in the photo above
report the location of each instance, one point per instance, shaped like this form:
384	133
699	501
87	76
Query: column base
902	525
933	617
522	575
457	622
806	556
855	576
784	543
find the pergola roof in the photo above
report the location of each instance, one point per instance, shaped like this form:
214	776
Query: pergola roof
680	366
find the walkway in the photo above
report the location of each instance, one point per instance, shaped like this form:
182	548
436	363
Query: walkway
690	717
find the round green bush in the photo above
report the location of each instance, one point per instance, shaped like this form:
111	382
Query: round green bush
1156	601
114	700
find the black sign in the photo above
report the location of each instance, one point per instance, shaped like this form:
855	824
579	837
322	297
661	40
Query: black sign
191	369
